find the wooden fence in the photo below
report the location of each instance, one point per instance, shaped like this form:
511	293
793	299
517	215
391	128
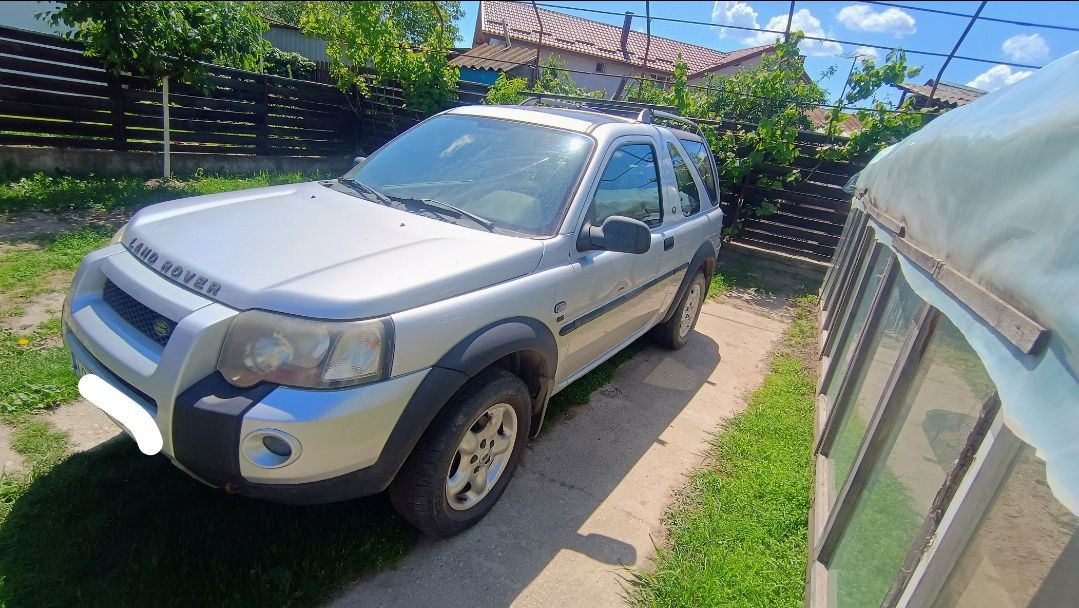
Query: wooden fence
811	211
51	94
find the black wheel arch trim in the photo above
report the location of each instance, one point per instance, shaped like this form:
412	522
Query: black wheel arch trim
705	258
208	416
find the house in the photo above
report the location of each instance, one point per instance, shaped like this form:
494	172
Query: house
290	38
483	63
601	56
948	94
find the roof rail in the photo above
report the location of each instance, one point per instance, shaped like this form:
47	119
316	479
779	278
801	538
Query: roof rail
648	115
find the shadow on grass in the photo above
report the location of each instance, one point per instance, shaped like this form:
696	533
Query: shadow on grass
112	527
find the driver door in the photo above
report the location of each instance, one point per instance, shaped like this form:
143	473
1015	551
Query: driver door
616	295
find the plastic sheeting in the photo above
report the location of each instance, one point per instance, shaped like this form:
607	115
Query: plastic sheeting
992	189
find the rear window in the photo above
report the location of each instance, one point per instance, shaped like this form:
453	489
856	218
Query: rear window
699	156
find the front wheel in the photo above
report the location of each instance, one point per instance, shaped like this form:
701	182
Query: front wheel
464	461
674	333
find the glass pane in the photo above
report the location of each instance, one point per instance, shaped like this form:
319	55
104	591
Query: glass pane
1025	552
900	309
519	176
629	187
934	419
688	194
699	155
842	352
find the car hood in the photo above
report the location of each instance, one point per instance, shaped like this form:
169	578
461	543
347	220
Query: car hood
309	250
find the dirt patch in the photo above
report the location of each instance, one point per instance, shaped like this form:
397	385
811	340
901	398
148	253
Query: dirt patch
86	426
25	226
10	460
22	315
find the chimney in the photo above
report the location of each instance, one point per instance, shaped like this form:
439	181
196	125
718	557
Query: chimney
506	32
625	34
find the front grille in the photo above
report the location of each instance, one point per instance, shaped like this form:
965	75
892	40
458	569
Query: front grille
149	323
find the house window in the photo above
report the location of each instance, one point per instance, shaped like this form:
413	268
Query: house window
599	68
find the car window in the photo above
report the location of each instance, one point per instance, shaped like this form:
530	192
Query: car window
698	154
629	187
518	176
688	194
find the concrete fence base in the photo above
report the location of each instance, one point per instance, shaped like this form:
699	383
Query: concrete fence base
55	161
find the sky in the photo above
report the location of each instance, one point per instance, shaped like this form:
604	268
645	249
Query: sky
862	24
859	23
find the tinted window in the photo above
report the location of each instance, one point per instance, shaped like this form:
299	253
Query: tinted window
518	176
698	154
629	187
688	195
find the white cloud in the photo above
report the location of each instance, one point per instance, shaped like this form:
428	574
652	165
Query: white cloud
867	52
734	13
997	77
862	18
743	15
803	21
1025	48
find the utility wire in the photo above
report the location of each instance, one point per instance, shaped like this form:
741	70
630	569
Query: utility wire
807	37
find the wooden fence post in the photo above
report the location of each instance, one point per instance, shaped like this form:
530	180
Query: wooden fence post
262	127
118	119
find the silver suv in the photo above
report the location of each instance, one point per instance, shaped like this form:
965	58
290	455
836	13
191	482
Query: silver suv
403	326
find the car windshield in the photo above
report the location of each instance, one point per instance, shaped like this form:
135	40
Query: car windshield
517	176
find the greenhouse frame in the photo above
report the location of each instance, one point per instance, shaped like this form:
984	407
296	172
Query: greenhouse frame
947	450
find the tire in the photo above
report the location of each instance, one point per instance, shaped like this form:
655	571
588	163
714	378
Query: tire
674	333
421	492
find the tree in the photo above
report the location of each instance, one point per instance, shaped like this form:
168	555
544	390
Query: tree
164	39
880	125
276	11
406	43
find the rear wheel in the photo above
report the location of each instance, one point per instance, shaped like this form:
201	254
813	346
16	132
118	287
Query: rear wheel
674	333
463	463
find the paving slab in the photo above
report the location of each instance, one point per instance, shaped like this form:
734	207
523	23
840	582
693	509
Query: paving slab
588	499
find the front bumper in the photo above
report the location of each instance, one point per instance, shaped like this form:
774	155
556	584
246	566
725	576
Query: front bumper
343	435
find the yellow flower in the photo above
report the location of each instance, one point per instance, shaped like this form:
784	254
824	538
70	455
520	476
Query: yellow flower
23	341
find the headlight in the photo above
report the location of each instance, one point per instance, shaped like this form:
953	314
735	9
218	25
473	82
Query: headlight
119	236
291	351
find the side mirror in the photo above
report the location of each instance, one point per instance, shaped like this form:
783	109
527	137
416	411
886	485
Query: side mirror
616	234
358	160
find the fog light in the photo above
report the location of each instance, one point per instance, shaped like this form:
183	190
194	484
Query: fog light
277	446
270	448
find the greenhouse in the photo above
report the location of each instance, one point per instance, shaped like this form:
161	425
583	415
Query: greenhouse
947	455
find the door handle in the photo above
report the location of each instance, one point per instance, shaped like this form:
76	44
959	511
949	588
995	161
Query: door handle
668	243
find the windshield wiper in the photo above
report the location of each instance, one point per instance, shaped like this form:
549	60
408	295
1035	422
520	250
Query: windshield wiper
365	190
431	203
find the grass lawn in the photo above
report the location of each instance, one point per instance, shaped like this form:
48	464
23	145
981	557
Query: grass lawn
738	535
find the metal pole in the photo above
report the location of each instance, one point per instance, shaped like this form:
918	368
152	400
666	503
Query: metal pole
647	45
165	115
539	45
936	80
790	18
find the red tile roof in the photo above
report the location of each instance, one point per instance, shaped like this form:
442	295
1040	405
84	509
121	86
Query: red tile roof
948	93
820	120
491	57
570	33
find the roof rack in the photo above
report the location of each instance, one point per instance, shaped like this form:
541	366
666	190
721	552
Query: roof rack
640	112
648	114
627	109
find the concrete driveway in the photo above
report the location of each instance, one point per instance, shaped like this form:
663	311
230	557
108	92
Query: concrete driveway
589	496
